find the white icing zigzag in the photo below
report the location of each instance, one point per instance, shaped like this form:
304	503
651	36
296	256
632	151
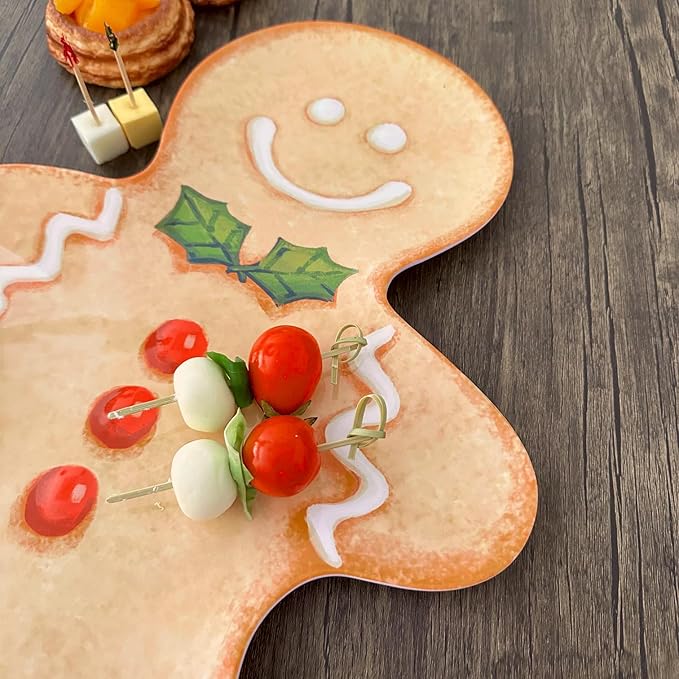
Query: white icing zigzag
58	229
373	490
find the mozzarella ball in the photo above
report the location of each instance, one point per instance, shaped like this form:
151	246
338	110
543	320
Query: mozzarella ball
204	398
201	480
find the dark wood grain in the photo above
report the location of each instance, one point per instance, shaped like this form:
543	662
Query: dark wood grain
563	310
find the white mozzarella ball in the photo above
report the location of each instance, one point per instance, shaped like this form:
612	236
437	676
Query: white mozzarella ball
203	396
201	480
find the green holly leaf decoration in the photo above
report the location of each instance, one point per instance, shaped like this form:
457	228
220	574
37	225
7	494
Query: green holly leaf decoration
205	228
234	435
291	272
210	234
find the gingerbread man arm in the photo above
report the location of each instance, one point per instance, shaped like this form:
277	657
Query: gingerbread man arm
464	480
33	252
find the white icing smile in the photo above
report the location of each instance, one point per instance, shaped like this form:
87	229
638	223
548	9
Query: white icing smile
261	131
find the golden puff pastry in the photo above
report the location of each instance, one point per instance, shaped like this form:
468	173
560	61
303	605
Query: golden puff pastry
151	48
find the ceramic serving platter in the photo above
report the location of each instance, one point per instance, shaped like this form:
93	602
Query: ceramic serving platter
300	169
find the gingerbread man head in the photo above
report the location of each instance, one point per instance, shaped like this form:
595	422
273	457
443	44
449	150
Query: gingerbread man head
300	169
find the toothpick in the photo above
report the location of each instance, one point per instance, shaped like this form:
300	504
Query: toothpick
139	492
85	93
343	350
72	60
126	79
113	44
141	407
359	436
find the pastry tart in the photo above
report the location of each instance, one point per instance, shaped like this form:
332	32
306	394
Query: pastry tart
151	47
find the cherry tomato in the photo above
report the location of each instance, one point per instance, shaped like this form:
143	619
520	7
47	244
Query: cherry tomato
172	343
285	368
118	434
59	499
282	455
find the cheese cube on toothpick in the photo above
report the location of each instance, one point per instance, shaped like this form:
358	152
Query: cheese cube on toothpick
141	123
104	140
97	128
134	110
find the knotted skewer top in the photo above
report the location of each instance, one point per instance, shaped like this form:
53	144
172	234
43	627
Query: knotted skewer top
344	350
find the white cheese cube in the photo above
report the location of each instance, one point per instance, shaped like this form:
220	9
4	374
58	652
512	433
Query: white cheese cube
105	141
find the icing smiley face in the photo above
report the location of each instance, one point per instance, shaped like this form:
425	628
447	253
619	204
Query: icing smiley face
446	501
326	153
387	138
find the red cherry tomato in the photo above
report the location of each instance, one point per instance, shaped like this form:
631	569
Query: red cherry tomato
126	432
282	455
172	343
60	499
285	367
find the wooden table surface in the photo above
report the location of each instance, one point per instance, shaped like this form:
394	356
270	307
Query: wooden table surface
564	311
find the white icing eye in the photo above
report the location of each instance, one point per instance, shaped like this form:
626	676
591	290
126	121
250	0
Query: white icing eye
387	138
326	111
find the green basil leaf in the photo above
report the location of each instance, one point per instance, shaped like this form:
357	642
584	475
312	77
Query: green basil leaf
236	375
234	435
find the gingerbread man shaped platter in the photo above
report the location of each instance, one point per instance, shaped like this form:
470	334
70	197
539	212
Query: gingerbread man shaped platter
301	168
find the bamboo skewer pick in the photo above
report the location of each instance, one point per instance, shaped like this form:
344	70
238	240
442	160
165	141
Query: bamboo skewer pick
113	44
359	437
72	60
140	492
343	350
